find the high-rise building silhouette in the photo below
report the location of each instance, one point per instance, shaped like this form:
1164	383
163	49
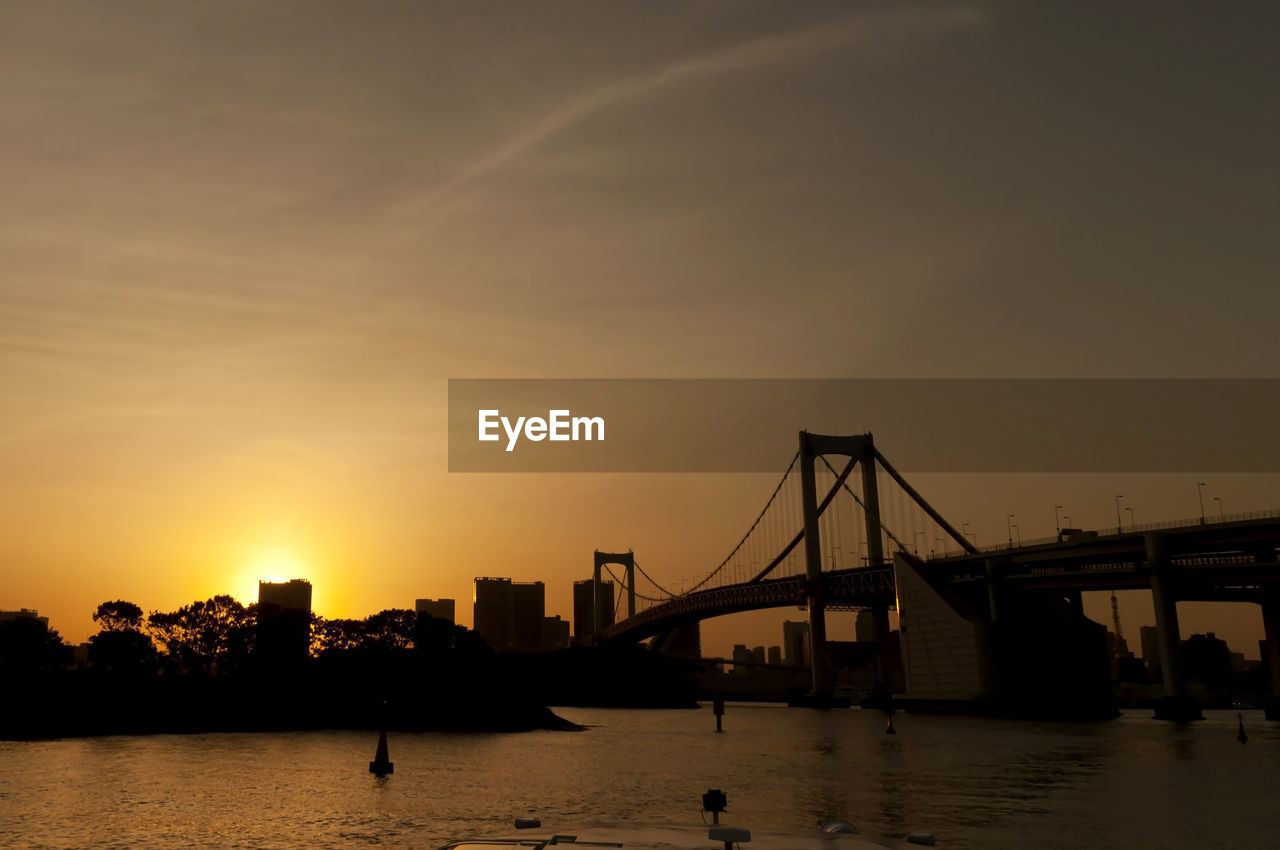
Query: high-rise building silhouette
509	615
795	643
23	612
864	627
528	609
1149	636
494	611
555	633
584	600
584	608
683	641
284	621
441	609
606	603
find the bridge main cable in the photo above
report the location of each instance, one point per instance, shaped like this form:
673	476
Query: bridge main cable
728	557
915	497
622	583
841	483
795	541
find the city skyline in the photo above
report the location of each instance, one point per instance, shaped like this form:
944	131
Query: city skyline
245	247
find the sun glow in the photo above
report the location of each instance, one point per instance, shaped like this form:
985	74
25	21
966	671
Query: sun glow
275	564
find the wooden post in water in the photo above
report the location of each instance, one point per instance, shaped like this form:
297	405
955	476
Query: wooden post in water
717	706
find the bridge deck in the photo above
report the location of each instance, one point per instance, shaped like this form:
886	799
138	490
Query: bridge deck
1218	561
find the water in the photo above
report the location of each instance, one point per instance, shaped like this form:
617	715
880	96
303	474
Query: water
1130	783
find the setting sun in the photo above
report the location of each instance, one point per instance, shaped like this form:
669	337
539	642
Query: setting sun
276	564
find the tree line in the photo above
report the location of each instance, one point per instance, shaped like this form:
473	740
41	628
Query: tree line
216	636
216	665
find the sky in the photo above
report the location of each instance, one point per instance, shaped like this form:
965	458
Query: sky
244	245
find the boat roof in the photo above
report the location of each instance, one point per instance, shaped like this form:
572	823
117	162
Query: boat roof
674	837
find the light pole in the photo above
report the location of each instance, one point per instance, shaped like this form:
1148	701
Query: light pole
1018	531
1068	519
1219	501
1200	493
1133	523
1119	522
945	548
1057	520
915	545
1009	522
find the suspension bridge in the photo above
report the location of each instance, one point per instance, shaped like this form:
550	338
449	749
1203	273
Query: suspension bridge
855	535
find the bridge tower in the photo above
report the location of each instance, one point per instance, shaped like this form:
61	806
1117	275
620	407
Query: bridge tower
626	560
862	451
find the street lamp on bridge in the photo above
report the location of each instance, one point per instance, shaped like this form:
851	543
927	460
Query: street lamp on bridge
1119	522
1200	493
1057	520
1133	523
1018	531
1009	522
914	535
1219	501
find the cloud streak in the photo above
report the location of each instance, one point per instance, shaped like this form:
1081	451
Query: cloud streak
759	52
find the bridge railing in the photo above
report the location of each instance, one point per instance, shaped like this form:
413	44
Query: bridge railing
1112	531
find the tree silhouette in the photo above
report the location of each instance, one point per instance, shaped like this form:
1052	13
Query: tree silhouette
390	629
118	616
28	646
121	646
330	636
206	637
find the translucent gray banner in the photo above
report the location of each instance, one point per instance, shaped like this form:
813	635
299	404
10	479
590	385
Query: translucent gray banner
922	425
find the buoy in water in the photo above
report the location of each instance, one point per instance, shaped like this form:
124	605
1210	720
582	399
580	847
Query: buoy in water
1241	736
382	764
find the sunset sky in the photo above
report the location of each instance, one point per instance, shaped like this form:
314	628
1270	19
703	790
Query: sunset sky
243	246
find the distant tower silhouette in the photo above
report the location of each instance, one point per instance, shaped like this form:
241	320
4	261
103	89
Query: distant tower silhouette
284	622
1115	618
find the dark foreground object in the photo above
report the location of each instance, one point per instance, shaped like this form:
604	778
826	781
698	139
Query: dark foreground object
1181	709
382	764
73	705
812	701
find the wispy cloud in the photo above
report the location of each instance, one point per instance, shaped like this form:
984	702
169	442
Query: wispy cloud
759	52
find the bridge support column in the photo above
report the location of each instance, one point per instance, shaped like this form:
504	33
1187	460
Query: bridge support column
1175	704
597	603
871	504
993	590
1271	626
603	611
631	586
813	575
884	657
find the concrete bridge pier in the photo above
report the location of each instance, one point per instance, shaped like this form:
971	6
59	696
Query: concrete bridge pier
993	589
884	654
818	665
1175	705
1271	626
